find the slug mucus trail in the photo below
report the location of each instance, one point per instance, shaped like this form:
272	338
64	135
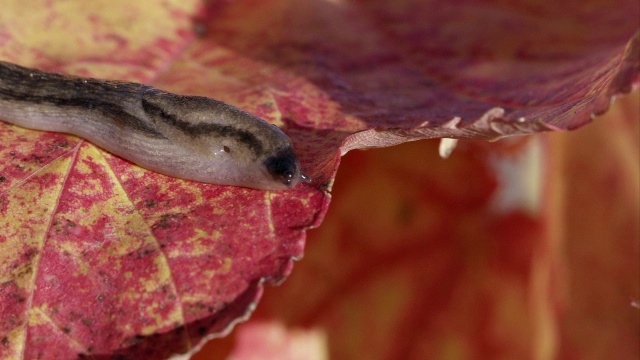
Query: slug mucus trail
188	137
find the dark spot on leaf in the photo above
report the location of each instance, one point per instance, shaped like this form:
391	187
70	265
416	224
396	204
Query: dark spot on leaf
150	203
226	149
202	330
166	221
23	270
66	330
2	179
73	316
5	341
37	159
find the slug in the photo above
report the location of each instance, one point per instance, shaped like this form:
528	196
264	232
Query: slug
188	137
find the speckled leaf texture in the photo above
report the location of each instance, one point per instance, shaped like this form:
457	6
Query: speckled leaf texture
100	258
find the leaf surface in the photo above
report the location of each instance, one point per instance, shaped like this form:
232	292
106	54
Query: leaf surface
100	257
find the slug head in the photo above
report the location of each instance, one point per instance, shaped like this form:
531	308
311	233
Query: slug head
284	167
222	144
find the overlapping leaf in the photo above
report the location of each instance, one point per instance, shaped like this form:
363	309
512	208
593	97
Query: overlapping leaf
94	245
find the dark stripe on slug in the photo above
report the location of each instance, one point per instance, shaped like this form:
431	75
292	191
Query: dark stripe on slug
112	111
203	129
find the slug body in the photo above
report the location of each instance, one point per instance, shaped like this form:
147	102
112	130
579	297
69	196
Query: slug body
188	137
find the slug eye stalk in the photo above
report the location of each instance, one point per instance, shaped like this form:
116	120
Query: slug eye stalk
284	168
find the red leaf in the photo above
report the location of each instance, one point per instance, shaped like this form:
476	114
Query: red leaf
380	73
98	256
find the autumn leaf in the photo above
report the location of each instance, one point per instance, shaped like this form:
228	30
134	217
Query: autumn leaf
102	258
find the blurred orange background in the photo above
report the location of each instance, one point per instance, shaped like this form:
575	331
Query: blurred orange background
521	249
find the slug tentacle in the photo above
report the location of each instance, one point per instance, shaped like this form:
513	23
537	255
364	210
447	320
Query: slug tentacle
189	137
